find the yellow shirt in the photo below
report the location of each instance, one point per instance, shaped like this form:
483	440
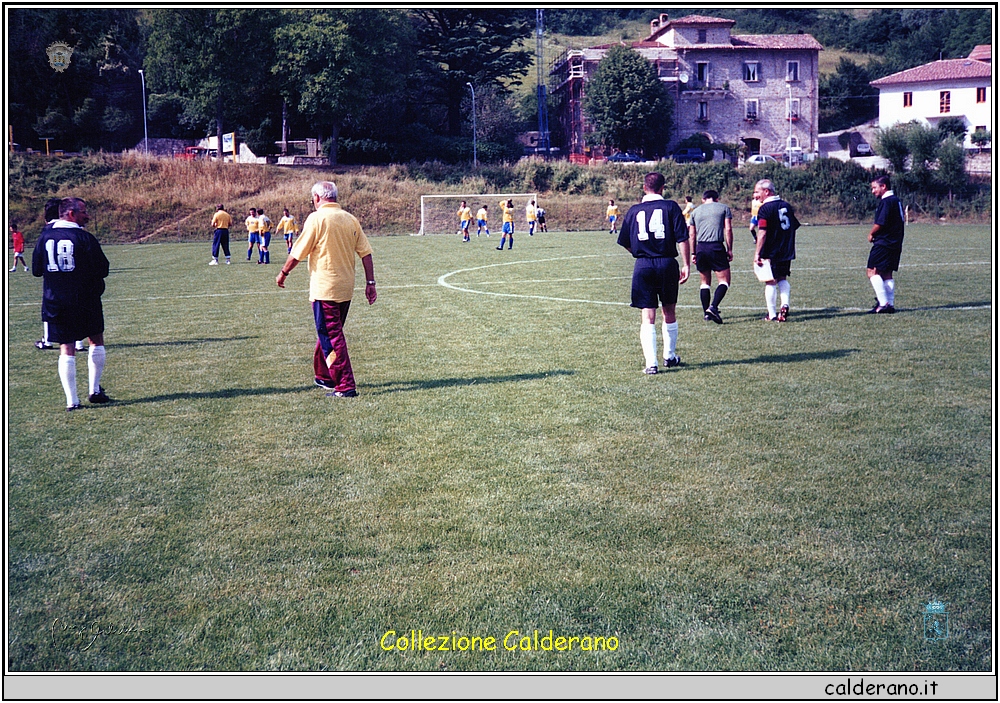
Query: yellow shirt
221	220
481	215
330	240
508	212
465	214
529	212
265	224
688	209
612	210
252	224
287	225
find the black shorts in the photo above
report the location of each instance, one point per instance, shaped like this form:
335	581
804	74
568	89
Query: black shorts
883	259
654	279
781	269
711	256
81	323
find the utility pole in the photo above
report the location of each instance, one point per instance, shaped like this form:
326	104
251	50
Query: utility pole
543	108
475	160
145	131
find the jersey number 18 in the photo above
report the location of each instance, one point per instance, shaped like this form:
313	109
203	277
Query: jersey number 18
60	255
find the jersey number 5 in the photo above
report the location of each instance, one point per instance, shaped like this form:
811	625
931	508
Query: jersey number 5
786	224
60	255
655	225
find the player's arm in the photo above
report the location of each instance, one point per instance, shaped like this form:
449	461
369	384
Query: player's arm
874	232
761	236
693	242
728	234
685	260
369	267
290	264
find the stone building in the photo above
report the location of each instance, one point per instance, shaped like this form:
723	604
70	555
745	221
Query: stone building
761	91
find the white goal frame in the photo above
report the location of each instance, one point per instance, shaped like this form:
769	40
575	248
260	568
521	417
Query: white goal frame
468	197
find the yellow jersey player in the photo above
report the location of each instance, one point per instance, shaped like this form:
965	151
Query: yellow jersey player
288	227
464	218
264	228
531	215
612	215
253	232
508	223
482	218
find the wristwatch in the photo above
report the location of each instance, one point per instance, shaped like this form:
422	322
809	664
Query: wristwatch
371	283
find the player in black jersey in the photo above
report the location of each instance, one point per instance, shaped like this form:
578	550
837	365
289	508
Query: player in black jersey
69	260
776	225
653	231
887	245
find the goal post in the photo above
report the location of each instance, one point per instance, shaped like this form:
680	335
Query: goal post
439	212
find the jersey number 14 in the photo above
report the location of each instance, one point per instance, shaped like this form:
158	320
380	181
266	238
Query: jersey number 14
655	225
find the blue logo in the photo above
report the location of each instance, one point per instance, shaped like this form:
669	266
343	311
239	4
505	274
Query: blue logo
935	621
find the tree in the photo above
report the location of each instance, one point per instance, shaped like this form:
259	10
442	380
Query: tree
982	137
951	127
461	46
630	108
338	66
846	98
891	145
951	167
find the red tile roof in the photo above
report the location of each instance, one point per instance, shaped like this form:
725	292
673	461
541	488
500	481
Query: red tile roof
692	20
983	52
776	41
946	70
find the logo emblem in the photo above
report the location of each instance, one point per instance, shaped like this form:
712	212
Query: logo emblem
59	54
935	621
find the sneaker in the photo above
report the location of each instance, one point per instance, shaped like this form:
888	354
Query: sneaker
13	269
99	397
42	344
71	408
708	318
783	313
885	310
25	269
651	371
874	309
672	362
713	315
228	262
499	248
323	383
768	318
213	262
352	393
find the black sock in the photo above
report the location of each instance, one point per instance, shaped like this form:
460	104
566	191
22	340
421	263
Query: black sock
720	293
706	294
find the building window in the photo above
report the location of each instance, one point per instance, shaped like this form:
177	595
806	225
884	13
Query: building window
793	142
980	128
945	101
751	110
702	36
980	95
702	72
703	112
792	106
667	68
751	71
793	71
907	99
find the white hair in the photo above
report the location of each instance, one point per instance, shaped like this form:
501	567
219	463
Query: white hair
325	190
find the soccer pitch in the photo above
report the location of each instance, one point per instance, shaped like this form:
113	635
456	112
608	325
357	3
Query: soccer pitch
790	499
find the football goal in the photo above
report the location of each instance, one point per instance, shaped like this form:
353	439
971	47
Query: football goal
439	213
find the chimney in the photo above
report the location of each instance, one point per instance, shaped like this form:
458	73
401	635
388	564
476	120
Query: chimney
653	26
663	18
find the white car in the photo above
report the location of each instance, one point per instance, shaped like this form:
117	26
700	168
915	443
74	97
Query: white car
760	159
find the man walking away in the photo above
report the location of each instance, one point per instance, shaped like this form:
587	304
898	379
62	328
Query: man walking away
711	241
221	222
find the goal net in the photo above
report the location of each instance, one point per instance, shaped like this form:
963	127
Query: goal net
439	213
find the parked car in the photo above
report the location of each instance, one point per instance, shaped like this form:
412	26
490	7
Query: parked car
761	159
622	156
689	155
863	149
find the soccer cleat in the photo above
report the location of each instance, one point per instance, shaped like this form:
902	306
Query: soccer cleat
783	313
672	362
71	408
99	397
343	394
213	262
651	371
768	318
323	383
42	344
228	262
499	248
708	318
885	310
13	269
712	314
874	309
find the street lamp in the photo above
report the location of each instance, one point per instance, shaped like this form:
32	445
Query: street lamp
145	132
475	161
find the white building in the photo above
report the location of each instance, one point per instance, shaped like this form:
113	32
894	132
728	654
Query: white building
949	88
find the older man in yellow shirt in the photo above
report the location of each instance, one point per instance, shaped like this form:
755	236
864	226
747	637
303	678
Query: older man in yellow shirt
330	239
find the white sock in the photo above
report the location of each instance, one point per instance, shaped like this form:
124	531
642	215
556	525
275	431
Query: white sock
67	376
880	289
784	290
45	332
890	291
647	337
95	366
669	339
771	298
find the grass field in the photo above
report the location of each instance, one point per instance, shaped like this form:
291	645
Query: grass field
789	499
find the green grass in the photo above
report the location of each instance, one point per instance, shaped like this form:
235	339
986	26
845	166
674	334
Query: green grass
789	499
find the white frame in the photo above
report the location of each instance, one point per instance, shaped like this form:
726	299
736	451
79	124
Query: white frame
468	197
756	109
755	73
788	72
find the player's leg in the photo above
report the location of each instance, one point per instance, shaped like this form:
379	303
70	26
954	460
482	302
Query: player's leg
95	368
67	360
890	289
705	291
216	243
771	299
647	339
224	242
722	287
670	283
784	297
331	361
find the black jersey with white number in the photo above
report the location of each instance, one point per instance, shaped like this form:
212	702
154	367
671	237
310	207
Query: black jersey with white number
653	228
889	217
779	237
73	268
